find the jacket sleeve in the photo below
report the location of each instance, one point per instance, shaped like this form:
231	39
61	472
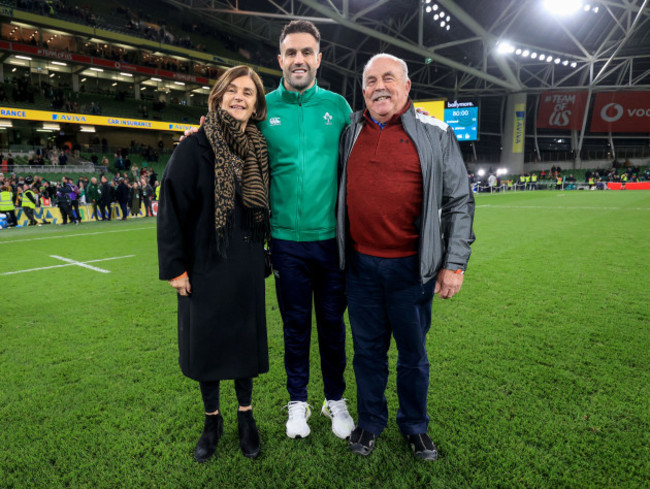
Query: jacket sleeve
178	187
457	207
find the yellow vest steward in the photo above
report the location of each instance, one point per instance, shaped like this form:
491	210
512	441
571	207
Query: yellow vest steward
158	192
533	178
26	201
6	201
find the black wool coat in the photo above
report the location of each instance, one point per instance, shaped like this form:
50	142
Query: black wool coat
222	324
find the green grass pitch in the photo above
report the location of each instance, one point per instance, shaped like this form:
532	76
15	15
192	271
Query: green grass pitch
540	367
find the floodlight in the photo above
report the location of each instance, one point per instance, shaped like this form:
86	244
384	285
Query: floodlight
525	53
442	14
533	55
557	61
435	6
448	18
587	7
448	26
562	7
443	23
565	62
481	172
549	59
518	51
428	9
428	1
595	10
436	17
542	57
503	47
574	64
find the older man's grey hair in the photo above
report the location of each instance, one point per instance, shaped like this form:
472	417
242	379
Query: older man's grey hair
401	62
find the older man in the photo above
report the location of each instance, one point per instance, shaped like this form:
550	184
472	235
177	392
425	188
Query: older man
404	227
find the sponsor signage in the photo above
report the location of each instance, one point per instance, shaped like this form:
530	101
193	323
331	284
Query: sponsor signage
519	128
561	110
97	120
462	116
621	112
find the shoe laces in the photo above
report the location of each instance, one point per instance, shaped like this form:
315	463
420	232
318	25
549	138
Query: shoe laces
338	408
298	409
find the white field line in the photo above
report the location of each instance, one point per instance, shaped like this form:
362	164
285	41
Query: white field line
81	264
73	235
72	263
563	208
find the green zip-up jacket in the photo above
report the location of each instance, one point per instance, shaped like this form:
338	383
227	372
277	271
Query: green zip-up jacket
302	132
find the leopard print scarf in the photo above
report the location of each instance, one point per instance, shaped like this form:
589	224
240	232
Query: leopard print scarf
227	140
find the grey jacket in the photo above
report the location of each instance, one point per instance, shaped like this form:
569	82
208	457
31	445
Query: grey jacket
447	201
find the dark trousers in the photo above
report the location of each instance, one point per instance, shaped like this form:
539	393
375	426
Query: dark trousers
125	210
75	210
29	212
96	213
210	393
386	296
105	209
306	270
148	211
66	211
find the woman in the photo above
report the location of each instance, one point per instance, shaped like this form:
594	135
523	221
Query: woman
212	223
135	198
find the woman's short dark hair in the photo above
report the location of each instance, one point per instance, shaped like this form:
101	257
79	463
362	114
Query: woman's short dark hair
300	27
224	81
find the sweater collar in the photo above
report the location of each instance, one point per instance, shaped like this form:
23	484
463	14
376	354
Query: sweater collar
296	97
396	119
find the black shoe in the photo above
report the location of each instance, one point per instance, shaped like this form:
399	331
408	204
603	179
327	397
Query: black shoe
249	438
422	446
212	431
362	442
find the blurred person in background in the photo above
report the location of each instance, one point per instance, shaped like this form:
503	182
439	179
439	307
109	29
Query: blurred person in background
30	201
122	195
106	198
63	201
212	225
136	198
7	205
93	195
147	194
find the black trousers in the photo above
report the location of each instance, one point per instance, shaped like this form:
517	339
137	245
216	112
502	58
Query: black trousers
66	211
29	212
210	393
75	210
105	210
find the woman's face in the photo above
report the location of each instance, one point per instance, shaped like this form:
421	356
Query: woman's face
239	99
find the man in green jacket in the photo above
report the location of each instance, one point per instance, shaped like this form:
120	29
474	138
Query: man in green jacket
92	196
302	129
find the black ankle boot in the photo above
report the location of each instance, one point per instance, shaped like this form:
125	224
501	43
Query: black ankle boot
212	431
249	438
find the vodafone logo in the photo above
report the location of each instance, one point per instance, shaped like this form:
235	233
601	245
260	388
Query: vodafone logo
618	112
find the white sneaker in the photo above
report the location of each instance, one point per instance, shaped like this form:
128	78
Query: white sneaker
342	422
299	413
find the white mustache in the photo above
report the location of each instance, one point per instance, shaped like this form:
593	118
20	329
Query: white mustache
380	93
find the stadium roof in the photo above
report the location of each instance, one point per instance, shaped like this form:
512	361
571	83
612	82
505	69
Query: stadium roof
476	48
